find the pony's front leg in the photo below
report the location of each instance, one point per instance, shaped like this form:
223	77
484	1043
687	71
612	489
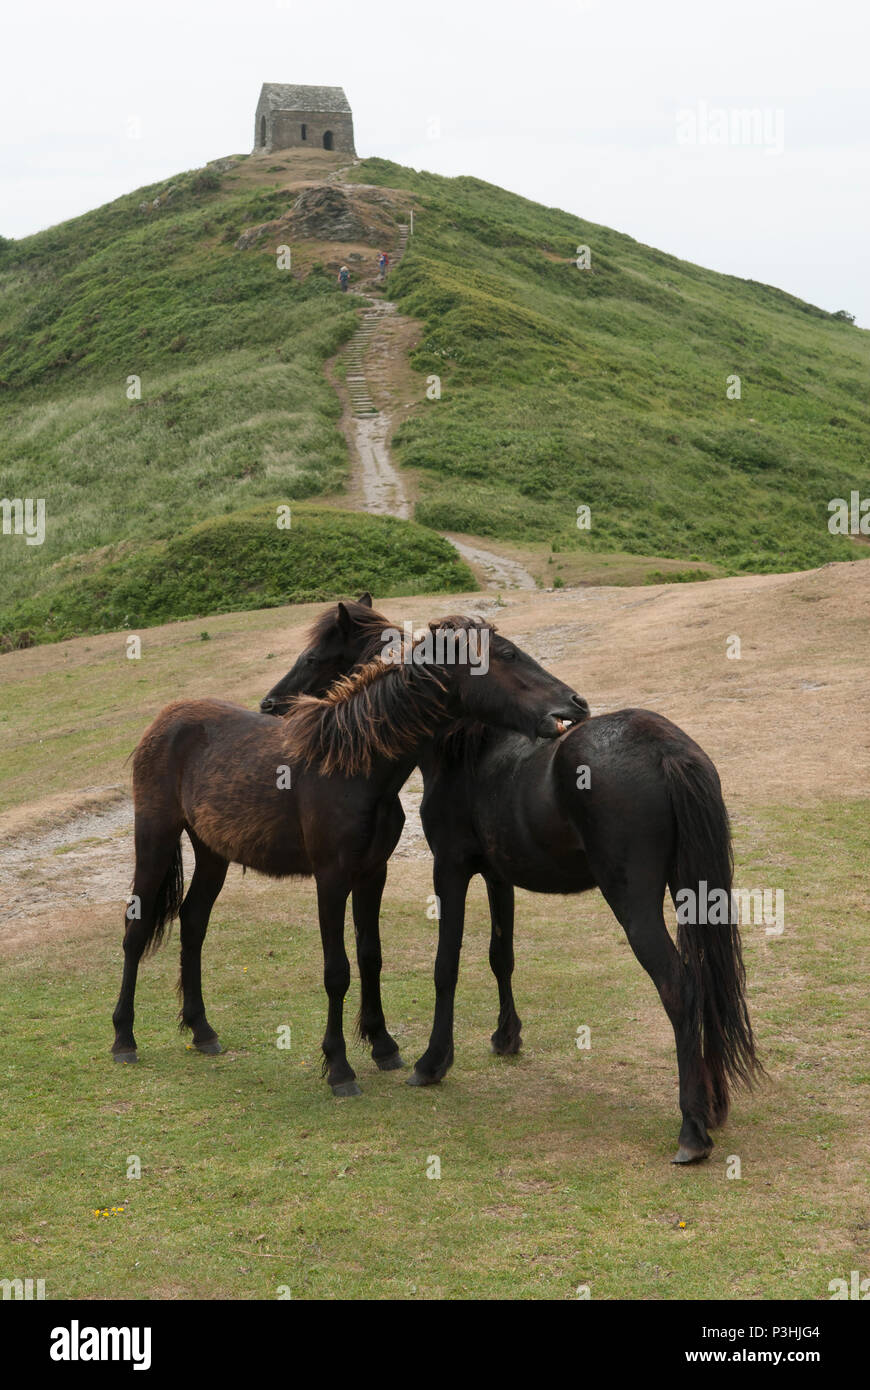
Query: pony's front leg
507	1038
371	1025
332	894
451	889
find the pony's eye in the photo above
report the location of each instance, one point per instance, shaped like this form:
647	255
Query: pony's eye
508	654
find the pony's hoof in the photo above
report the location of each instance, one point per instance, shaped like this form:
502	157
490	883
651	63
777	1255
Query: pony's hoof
346	1088
690	1155
211	1049
392	1063
125	1056
418	1078
506	1049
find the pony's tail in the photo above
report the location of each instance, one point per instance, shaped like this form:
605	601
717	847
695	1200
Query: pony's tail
711	952
167	902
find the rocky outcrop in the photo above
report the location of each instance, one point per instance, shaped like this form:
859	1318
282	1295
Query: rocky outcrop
331	212
326	213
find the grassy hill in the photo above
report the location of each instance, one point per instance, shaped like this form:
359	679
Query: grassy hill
604	387
607	388
234	411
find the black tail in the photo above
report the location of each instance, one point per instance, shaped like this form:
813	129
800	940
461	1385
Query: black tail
711	953
167	903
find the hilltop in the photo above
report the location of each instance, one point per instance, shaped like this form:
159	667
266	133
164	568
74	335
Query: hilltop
559	388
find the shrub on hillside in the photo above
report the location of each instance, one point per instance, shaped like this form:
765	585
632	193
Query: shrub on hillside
242	561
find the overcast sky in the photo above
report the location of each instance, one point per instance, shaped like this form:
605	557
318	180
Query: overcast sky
625	112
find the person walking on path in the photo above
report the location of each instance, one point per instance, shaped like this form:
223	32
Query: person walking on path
383	264
343	277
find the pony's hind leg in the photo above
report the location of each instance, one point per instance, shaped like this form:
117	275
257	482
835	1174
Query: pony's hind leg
507	1038
155	900
372	1026
638	908
206	884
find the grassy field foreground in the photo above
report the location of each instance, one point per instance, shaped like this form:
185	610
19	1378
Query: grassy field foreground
554	1166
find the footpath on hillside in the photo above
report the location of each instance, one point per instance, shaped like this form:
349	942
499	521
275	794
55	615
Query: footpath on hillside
376	388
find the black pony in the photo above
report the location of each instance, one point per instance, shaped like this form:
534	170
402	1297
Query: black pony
316	794
625	802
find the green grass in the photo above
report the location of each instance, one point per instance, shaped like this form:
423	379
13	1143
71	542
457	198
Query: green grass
554	1165
607	388
238	562
119	291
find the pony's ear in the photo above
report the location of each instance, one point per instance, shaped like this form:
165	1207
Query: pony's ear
344	621
365	599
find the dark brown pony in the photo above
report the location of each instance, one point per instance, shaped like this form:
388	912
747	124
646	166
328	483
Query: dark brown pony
625	802
316	794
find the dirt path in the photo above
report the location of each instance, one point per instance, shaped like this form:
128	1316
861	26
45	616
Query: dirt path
374	395
498	570
367	358
48	876
64	879
382	487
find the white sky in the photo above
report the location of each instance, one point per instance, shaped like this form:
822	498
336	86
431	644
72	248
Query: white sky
573	103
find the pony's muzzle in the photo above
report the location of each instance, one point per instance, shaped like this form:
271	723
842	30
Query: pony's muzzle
560	721
270	706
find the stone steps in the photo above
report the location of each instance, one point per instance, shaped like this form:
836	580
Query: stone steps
361	402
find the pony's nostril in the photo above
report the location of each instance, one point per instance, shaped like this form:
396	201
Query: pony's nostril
267	705
579	701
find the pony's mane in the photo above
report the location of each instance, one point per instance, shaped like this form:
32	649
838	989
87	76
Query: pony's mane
382	709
